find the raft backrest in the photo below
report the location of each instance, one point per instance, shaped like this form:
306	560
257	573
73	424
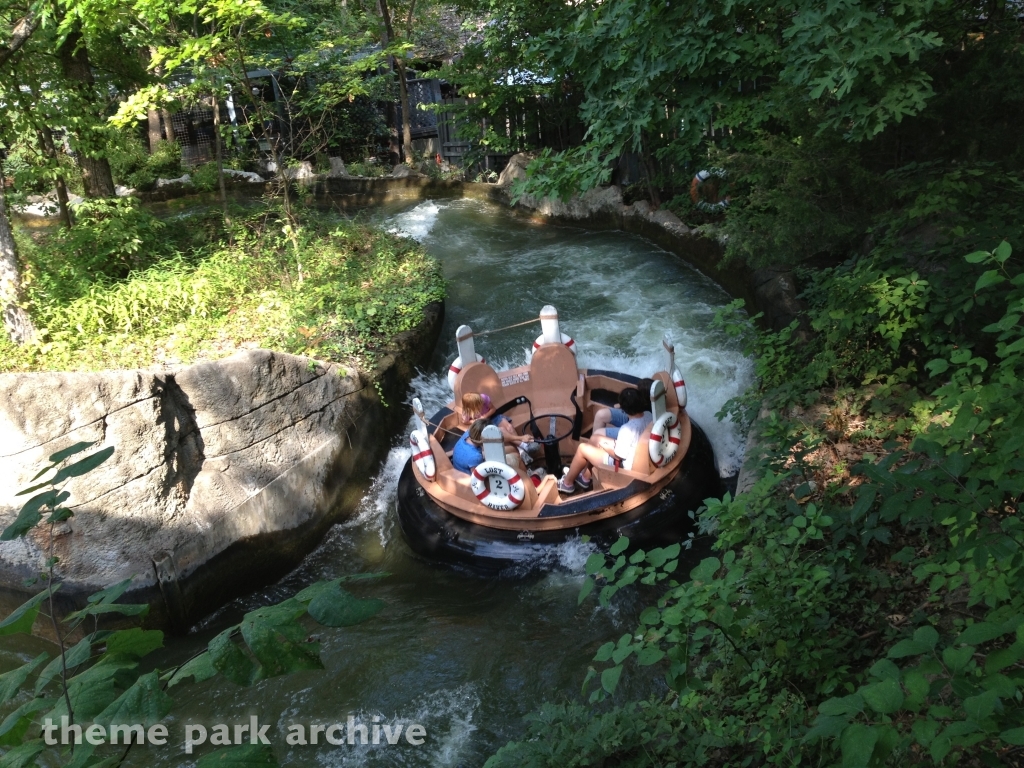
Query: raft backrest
441	460
658	399
671	401
481	379
642	456
553	377
494	446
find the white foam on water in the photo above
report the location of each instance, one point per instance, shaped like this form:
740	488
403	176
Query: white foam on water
416	222
447	716
375	508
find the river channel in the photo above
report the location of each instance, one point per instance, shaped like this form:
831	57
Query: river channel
468	657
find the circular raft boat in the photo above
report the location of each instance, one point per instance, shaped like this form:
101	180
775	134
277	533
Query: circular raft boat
502	516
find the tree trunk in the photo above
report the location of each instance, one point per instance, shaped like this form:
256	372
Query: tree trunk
403	86
156	135
168	126
74	62
403	90
16	320
46	141
220	157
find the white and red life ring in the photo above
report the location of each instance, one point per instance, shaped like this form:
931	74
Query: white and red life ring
713	206
456	368
665	437
566	339
497	485
422	456
680	387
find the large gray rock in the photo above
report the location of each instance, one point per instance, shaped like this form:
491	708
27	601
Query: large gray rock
248	455
337	168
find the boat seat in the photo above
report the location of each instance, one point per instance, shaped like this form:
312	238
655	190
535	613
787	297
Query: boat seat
481	379
671	401
553	377
641	463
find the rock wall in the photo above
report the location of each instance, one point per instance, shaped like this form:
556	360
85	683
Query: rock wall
224	474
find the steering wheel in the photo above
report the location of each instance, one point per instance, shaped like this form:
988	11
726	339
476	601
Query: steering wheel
549	429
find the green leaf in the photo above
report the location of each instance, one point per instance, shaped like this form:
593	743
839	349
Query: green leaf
857	744
1002	252
981	706
124	609
339	608
135	642
1005	657
21	621
18	721
31	513
23	755
610	678
200	668
313	590
927	636
144	702
82	466
989	277
276	640
619	546
905	648
846	705
884	697
1013	736
649	655
956	659
111	593
706	570
11	682
228	659
585	590
979	633
977	257
826	727
594	563
245	756
77	655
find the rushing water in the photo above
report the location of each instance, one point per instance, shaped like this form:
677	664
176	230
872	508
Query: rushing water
467	657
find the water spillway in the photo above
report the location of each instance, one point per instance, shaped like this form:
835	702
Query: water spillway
468	657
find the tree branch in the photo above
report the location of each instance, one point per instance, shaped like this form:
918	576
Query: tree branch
22	31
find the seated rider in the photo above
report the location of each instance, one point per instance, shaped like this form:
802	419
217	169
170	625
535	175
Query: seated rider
476	406
603	451
468	452
608	420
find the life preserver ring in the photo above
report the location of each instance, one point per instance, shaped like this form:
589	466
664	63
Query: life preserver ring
716	206
497	485
456	368
680	387
662	447
422	456
566	339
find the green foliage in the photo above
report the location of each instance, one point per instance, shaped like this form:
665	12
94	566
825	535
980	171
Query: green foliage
853	617
132	164
205	178
108	676
336	290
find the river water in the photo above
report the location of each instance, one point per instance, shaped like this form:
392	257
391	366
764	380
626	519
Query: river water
463	656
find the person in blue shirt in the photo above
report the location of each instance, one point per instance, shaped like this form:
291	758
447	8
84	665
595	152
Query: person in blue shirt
468	452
